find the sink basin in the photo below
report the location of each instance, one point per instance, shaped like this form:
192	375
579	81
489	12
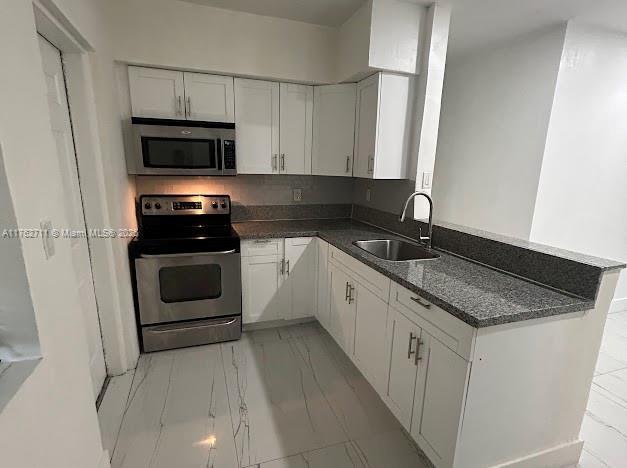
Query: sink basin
396	250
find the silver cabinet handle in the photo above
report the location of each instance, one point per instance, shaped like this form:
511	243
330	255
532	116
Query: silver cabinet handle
179	105
347	293
351	288
287	267
412	337
179	255
274	162
189	106
370	164
262	241
348	162
418	357
282	161
422	302
282	266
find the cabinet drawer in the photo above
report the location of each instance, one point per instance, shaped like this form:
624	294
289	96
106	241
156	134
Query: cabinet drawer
251	248
455	334
373	280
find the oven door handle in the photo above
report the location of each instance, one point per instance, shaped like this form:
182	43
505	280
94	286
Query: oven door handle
189	254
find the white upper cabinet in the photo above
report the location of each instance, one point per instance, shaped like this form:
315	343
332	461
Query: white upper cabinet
257	126
157	93
171	94
296	128
385	127
209	97
365	136
333	130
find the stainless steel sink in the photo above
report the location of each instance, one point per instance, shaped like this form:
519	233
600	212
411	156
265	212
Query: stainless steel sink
396	250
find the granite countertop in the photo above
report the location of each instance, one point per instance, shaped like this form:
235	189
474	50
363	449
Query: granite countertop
476	294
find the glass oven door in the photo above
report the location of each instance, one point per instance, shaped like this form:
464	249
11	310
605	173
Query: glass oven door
175	287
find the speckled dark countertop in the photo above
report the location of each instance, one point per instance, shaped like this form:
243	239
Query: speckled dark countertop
476	294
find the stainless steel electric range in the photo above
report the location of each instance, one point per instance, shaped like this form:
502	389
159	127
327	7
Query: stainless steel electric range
185	266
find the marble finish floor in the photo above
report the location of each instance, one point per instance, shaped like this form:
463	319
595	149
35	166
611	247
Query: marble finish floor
278	398
604	428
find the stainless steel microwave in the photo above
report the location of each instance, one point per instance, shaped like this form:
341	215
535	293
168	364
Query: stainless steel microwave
179	147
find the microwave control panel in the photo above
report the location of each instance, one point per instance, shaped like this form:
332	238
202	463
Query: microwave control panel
229	154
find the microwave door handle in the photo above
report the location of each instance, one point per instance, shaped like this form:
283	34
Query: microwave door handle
188	254
221	155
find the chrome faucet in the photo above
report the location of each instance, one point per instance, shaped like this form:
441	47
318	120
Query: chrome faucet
421	238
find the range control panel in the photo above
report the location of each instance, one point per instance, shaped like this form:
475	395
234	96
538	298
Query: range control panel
164	205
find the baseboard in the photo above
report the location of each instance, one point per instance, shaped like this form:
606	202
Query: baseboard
104	460
275	323
555	457
618	305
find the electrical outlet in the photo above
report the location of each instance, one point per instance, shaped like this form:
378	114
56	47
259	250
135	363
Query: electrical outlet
298	194
368	194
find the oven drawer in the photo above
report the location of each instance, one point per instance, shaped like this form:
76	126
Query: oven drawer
200	332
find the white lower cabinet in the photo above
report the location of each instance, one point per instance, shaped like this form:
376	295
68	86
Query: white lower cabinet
403	341
438	400
300	273
341	308
263	297
407	350
277	279
322	299
371	321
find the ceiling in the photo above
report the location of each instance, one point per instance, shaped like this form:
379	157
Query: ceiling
479	23
474	23
322	12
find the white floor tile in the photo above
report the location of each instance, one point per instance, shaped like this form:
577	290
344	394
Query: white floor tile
112	407
588	460
277	407
178	413
390	450
337	456
282	398
604	442
615	383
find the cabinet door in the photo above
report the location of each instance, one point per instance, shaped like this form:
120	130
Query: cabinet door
341	311
333	130
262	294
300	274
296	128
366	126
439	400
403	338
370	338
156	93
257	123
209	97
322	302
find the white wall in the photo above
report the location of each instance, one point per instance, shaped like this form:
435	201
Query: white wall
51	421
196	37
495	114
18	329
582	194
353	45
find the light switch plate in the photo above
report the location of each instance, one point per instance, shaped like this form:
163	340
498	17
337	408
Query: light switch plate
298	194
426	179
47	238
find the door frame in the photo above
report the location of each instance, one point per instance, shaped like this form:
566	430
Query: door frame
121	349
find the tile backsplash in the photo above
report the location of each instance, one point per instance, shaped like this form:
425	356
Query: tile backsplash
254	190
